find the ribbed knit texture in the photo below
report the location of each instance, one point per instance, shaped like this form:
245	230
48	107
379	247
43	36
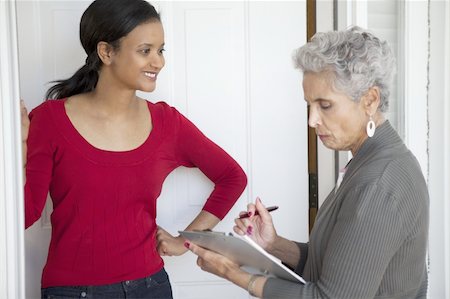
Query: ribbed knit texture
104	202
370	237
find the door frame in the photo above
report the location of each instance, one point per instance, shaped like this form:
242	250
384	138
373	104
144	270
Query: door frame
12	266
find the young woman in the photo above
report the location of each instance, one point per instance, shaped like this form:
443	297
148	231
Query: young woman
103	154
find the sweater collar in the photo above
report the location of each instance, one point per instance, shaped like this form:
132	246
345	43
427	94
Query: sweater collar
385	137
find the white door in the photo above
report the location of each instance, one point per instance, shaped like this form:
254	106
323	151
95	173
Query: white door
228	69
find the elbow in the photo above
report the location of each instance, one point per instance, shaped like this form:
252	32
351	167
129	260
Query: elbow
30	218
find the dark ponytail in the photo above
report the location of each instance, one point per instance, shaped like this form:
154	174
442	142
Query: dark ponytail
107	21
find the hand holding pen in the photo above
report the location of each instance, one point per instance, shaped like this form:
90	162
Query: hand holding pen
261	228
249	214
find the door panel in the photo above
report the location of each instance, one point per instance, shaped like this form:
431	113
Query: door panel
229	70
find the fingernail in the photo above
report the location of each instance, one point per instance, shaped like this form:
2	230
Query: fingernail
249	214
186	244
259	199
249	230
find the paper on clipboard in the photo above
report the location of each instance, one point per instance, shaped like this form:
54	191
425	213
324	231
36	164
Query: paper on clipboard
243	251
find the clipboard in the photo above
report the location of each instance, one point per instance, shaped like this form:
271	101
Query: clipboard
243	251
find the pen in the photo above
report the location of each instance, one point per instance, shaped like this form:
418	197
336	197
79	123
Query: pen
269	209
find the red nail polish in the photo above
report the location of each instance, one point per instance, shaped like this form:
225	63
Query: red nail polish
249	230
186	244
249	214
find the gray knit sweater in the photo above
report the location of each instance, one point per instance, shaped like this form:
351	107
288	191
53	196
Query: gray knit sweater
370	236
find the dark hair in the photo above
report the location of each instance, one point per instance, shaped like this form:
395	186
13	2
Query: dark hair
107	21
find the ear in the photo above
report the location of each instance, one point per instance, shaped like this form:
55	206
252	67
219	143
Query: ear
105	52
371	100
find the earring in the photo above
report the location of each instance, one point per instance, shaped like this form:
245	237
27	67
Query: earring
370	128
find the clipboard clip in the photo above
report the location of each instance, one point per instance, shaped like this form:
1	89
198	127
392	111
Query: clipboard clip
208	230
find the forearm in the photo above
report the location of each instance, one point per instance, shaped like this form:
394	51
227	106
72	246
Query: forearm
242	279
286	250
204	220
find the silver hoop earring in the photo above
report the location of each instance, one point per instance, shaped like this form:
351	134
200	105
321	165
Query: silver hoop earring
370	128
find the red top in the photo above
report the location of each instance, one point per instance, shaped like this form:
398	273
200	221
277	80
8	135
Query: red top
104	202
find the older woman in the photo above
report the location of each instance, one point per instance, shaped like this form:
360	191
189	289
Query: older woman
370	236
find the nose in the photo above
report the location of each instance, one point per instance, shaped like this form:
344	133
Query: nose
157	61
313	117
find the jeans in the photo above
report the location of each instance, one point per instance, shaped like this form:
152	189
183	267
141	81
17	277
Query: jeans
156	286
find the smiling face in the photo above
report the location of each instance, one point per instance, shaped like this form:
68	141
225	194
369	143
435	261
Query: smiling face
137	62
340	122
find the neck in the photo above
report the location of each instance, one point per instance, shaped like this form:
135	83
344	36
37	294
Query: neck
113	99
379	120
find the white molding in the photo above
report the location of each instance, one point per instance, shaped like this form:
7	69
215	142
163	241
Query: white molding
325	156
439	147
359	13
447	146
415	74
11	208
401	49
352	12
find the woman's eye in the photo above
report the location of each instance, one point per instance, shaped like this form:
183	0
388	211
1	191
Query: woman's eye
145	51
325	105
161	51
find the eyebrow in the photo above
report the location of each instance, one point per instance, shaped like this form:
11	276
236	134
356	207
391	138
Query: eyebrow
151	45
318	99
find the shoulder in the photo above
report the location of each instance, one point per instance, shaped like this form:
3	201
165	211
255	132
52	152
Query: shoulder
168	116
163	108
45	110
403	178
44	121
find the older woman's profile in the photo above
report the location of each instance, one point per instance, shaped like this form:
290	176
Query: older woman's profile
370	235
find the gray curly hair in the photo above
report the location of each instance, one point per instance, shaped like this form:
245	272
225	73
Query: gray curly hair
357	59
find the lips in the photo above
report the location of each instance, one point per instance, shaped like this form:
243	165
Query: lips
322	136
151	75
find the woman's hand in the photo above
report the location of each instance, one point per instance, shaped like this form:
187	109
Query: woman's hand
169	245
220	265
25	121
260	228
213	262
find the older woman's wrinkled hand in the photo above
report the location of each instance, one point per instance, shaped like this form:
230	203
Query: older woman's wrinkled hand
259	227
213	262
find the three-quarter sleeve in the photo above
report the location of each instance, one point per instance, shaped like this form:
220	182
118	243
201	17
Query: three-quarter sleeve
303	248
194	149
368	232
39	164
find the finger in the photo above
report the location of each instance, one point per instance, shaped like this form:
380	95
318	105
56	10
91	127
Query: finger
265	215
160	250
238	230
242	225
163	251
197	250
251	209
242	213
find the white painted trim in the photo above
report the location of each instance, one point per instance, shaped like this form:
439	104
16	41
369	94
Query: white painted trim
11	194
349	13
447	147
415	71
352	12
325	157
359	13
439	147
